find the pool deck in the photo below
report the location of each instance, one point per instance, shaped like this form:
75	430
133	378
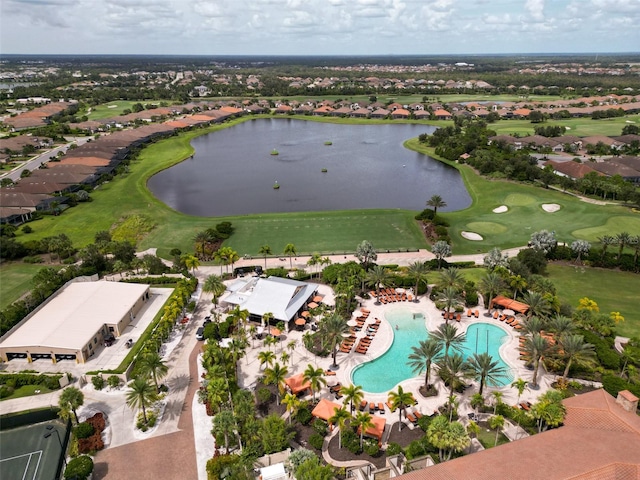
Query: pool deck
250	369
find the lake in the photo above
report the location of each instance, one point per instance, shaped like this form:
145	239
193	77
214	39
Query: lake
233	172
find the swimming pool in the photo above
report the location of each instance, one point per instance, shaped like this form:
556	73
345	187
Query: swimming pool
385	372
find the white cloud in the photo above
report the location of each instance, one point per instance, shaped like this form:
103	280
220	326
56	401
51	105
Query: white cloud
535	8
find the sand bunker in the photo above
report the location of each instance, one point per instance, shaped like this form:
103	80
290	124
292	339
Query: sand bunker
550	207
471	236
500	209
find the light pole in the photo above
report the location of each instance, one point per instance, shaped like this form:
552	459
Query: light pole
48	434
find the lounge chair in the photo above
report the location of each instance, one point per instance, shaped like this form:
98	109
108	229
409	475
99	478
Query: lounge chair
469	313
417	414
495	314
458	317
391	409
411	418
477	313
381	407
372	407
363	405
409	298
329	373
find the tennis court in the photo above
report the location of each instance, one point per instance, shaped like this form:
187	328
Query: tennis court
26	454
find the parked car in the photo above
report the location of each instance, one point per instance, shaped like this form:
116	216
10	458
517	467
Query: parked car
200	333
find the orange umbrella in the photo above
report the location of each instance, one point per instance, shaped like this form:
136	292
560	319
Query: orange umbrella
305	314
313	305
317	299
275	331
300	321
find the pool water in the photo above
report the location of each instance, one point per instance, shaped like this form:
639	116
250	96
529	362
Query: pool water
385	372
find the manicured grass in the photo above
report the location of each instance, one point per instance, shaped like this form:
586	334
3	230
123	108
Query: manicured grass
575	219
15	279
111	109
581	127
488	439
612	290
27	391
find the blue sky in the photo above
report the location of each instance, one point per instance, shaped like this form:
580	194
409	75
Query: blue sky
318	27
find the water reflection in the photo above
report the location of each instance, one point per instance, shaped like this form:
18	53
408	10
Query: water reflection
233	171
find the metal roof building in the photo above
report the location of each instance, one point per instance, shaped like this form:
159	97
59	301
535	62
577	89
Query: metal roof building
72	323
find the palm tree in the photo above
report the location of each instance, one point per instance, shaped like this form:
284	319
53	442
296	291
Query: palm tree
533	325
399	401
291	346
315	377
238	316
575	349
451	299
441	249
353	394
266	357
276	375
153	365
331	330
484	369
520	384
314	261
224	423
622	239
497	399
491	284
426	353
447	437
448	336
141	395
538	305
476	401
419	271
453	370
71	398
376	276
518	283
496	422
451	277
290	250
339	418
292	403
560	325
201	239
606	241
191	262
265	250
214	285
536	347
364	421
436	202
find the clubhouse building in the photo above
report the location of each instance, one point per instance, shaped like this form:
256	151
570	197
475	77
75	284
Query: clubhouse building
74	322
282	297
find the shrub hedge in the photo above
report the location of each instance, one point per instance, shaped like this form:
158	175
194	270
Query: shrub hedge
17	380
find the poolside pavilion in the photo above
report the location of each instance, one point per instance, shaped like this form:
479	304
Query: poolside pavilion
297	384
325	409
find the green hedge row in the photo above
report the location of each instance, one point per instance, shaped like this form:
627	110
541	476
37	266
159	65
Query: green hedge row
17	380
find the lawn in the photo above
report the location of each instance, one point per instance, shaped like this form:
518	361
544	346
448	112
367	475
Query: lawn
27	391
575	219
581	127
111	109
612	290
487	437
15	279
